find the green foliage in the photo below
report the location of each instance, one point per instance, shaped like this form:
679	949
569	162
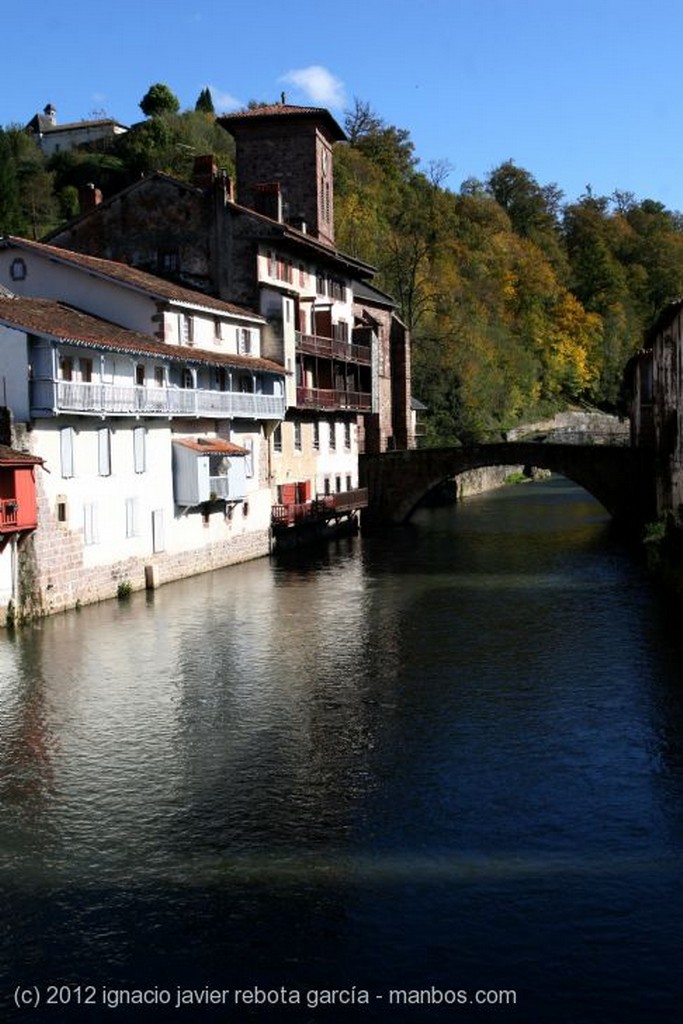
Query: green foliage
517	304
159	100
205	102
27	202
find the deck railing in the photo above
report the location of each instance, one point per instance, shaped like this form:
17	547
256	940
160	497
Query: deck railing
333	348
322	509
9	508
323	398
126	400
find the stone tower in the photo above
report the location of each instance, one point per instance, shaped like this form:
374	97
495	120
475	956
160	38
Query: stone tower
285	166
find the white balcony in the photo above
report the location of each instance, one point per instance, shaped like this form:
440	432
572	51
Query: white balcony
50	397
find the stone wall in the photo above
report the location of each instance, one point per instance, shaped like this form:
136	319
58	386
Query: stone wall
53	578
486	478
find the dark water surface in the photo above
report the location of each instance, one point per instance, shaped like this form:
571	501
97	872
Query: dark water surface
447	759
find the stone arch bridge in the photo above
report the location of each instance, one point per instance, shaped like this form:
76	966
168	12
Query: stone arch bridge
620	477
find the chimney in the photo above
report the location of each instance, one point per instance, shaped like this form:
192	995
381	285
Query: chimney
89	197
205	171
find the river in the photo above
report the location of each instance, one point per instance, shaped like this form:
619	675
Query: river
431	775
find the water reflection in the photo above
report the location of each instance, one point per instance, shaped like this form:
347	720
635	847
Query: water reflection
451	755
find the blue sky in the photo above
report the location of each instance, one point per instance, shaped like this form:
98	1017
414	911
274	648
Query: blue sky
578	92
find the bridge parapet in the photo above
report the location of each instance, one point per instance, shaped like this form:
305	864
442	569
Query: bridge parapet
621	478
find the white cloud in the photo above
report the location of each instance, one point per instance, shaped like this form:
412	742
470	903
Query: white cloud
318	85
224	102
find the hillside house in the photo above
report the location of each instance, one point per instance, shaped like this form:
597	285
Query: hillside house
60	138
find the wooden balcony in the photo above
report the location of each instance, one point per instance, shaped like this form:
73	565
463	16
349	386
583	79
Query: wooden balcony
323	509
9	513
50	396
18	506
321	398
333	348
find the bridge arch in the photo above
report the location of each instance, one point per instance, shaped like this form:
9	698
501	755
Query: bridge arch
621	478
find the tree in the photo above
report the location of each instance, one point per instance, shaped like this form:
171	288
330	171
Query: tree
205	102
159	100
10	214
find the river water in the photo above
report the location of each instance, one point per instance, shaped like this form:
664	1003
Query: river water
427	770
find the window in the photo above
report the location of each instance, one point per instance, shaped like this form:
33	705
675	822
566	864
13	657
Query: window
158	541
159	376
132	517
18	269
85	367
297	435
272	264
303	277
244	341
248	443
62	509
337	481
333	436
90	524
277	438
347	435
217	329
140	375
187	378
168	261
321	284
108	367
104	451
348	483
139	449
66	451
186	325
326	487
66	368
316	435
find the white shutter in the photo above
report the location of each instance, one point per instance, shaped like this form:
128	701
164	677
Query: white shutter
139	449
66	447
104	451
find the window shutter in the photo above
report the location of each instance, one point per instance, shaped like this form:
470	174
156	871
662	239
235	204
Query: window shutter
66	443
139	449
104	451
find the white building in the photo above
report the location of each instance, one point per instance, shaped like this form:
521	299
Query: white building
156	447
60	138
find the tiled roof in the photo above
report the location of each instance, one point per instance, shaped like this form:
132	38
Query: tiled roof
57	320
12	457
211	445
140	280
281	111
74	125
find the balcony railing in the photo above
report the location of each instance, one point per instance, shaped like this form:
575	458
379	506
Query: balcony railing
126	400
324	508
333	348
321	398
9	507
